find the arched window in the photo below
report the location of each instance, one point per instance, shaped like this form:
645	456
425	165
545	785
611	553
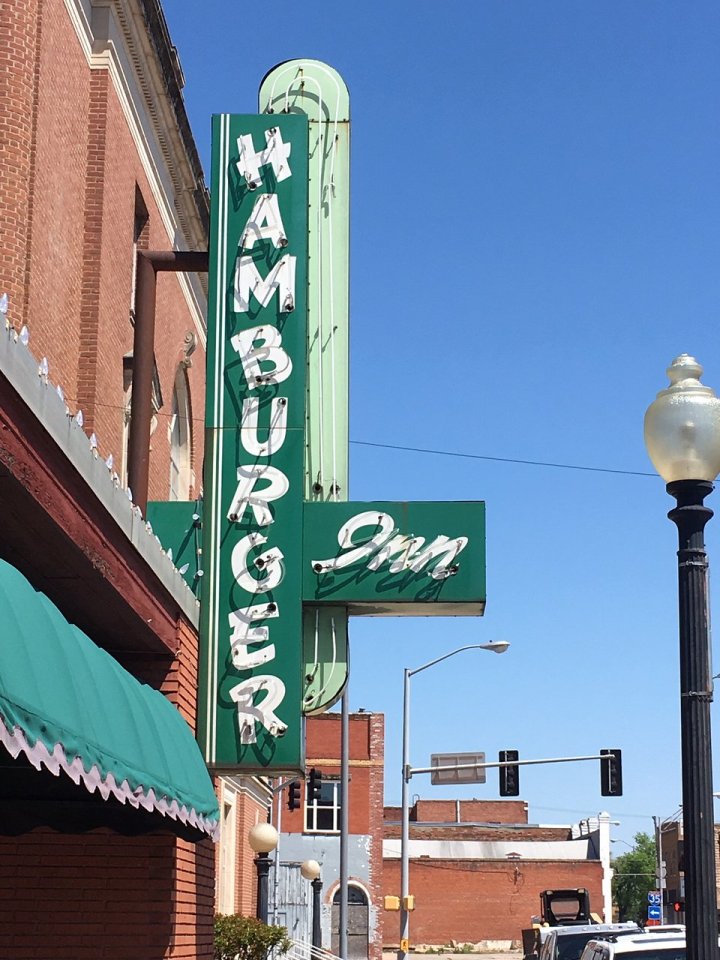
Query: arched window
180	440
157	402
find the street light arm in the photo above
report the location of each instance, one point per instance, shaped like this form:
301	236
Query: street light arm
499	646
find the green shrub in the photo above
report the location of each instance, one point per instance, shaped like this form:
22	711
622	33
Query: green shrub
246	938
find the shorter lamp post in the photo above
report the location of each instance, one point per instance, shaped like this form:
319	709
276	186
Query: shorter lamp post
263	838
682	434
310	869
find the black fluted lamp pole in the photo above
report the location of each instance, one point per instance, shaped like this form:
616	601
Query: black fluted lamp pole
263	838
682	434
310	869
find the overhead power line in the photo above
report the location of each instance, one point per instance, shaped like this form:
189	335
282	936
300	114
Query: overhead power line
480	456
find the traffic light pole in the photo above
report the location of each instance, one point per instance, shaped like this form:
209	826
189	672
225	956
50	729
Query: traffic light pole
504	763
408	772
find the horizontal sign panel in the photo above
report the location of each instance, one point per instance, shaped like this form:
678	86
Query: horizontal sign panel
446	762
393	559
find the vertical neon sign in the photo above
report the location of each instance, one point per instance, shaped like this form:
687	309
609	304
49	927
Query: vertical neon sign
251	669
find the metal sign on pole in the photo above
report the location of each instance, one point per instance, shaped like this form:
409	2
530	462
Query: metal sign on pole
457	768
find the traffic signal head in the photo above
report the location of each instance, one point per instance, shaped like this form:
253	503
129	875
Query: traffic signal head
509	776
314	783
679	906
611	773
293	795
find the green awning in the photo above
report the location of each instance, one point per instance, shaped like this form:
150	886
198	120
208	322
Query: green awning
70	708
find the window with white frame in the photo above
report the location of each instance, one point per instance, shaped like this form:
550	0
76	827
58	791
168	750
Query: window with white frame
157	402
322	815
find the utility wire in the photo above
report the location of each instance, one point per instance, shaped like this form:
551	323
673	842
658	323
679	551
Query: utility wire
479	456
438	453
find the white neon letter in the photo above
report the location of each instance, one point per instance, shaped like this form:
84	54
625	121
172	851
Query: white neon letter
249	426
248	476
270	350
243	634
402	547
250	713
370	518
270	562
265	223
275	153
248	281
440	547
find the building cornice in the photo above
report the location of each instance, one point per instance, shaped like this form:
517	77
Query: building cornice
129	39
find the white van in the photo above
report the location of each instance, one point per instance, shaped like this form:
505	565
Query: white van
661	946
567	942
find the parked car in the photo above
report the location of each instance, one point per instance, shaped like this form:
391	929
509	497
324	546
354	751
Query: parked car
566	943
662	946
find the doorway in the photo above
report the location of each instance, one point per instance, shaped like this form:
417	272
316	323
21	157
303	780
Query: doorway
358	923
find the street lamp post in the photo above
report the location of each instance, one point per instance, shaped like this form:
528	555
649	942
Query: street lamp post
682	434
499	646
310	869
263	838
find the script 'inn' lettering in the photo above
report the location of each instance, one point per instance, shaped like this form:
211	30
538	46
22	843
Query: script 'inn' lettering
265	365
388	545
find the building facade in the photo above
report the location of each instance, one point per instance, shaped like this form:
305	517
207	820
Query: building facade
671	855
109	815
477	868
312	832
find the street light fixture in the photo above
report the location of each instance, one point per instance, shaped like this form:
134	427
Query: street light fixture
310	869
263	838
682	435
496	646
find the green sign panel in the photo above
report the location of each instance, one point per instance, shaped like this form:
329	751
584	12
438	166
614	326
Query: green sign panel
286	557
396	558
251	671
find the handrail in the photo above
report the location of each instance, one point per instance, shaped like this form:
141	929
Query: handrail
299	950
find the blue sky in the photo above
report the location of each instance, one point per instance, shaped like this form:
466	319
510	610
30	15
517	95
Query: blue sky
535	234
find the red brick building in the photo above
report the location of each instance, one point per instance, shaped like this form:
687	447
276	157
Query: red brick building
477	868
108	811
312	832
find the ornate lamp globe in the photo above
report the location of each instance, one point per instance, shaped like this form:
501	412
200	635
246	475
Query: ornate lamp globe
310	869
682	426
263	837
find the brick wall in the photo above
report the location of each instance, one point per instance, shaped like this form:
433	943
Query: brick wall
472	901
375	823
69	174
101	894
68	180
18	62
366	768
465	811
